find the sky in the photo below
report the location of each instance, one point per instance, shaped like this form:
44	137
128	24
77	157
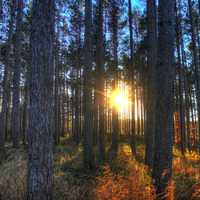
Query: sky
135	2
139	4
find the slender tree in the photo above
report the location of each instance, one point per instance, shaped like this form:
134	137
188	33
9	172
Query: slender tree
100	81
88	107
6	84
195	57
57	90
180	80
132	76
16	77
114	27
151	62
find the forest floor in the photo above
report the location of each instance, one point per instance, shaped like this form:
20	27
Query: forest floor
123	178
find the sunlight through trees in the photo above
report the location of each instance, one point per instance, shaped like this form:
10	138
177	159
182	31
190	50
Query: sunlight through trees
99	99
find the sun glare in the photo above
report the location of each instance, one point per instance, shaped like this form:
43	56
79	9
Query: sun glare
120	100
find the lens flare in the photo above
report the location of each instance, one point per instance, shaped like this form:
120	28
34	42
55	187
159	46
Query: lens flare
119	99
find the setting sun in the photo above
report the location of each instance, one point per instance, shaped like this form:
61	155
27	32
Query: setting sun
120	100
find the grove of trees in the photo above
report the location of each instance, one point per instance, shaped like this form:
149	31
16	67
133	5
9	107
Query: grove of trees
99	73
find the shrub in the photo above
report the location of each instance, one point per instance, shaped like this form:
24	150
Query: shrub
131	183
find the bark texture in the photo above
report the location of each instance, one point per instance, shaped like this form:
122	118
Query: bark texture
151	62
16	77
88	107
40	133
100	81
162	167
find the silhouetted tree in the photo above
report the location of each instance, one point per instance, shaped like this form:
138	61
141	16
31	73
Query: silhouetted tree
162	166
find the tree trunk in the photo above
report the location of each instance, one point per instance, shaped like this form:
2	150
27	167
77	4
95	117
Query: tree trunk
15	124
25	110
88	107
162	166
57	92
115	121
195	59
40	133
100	82
132	78
151	62
6	85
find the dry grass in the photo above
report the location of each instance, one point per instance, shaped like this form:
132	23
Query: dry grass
131	183
186	174
71	182
13	175
123	178
67	184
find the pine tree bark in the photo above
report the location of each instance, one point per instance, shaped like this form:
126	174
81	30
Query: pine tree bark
15	123
25	110
180	81
162	166
40	131
132	78
57	93
88	107
151	62
100	82
78	83
115	121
